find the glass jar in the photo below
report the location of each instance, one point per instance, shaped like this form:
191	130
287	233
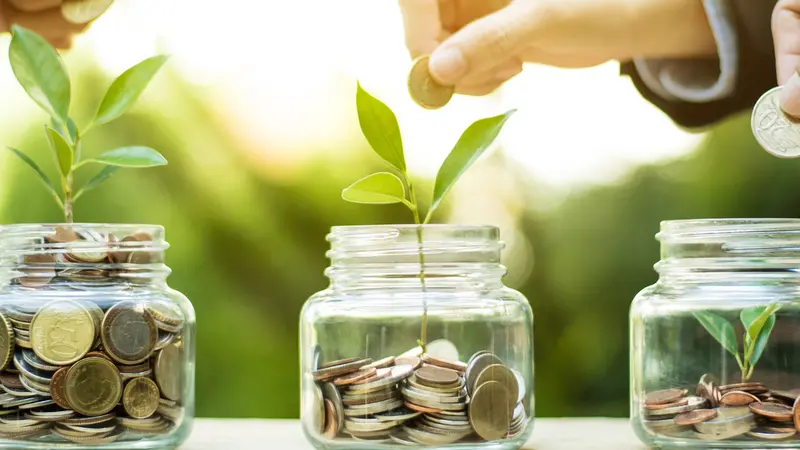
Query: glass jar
416	344
96	350
715	342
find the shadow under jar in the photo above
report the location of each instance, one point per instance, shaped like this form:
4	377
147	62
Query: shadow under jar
366	380
96	350
715	343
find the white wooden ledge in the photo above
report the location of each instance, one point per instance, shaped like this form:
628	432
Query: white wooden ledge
548	434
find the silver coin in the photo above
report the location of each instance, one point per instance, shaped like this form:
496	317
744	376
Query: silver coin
443	349
438	405
368	425
457	389
39	404
415	352
694	403
330	392
373	408
426	437
399	373
400	414
30	372
316	411
414	393
522	389
777	133
30	357
458	427
476	366
17	392
737	420
401	437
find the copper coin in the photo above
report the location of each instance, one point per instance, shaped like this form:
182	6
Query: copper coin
422	409
696	416
774	411
737	398
362	374
331	425
775	429
379	375
789	396
796	414
331	372
436	376
58	387
381	363
129	333
98	355
455	365
742	386
338	363
681	402
664	396
412	361
11	380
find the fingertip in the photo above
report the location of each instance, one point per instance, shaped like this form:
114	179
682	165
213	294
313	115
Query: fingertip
448	65
790	96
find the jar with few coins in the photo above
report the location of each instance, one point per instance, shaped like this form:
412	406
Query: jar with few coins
96	350
416	342
714	341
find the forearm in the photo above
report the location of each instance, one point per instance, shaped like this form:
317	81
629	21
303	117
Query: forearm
669	29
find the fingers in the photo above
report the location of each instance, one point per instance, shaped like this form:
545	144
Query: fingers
487	82
34	5
50	24
482	44
422	25
786	34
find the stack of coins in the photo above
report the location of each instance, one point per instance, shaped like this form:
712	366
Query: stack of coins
734	411
416	398
84	370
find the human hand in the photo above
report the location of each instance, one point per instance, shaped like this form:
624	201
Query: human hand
786	34
476	45
42	16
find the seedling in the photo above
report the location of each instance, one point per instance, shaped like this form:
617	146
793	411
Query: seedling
758	323
42	74
380	127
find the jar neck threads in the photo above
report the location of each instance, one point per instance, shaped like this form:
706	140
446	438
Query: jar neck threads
748	249
388	256
39	255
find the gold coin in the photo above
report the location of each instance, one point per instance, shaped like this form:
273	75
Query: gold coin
488	410
129	333
424	90
167	312
80	12
169	371
94	386
140	398
6	341
62	332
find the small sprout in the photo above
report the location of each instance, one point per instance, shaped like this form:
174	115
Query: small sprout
380	128
758	324
42	74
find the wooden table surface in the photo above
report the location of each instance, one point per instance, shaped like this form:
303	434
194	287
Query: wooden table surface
548	434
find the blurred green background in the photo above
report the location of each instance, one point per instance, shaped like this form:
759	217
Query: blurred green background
261	139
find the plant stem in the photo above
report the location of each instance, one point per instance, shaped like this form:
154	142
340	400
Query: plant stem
423	333
67	185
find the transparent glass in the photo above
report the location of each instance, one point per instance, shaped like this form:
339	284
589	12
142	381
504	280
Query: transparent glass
366	380
96	350
715	342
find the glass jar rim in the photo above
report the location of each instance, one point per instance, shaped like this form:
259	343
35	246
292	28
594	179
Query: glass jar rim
691	229
34	226
32	238
387	230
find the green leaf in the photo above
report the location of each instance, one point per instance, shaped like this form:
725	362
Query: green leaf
35	167
61	148
470	146
104	174
758	322
378	189
379	125
720	329
130	157
40	71
72	129
127	88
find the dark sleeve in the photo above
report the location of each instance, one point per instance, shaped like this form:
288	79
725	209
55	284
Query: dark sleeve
755	72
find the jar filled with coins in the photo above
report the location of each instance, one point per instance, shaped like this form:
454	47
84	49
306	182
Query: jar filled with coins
96	350
416	342
714	343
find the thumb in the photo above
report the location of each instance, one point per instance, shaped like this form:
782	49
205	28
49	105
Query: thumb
786	34
482	45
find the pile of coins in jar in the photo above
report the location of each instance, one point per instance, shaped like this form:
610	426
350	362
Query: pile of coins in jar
732	411
419	398
83	367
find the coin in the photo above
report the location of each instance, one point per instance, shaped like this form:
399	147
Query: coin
437	376
796	414
501	374
58	385
80	12
764	433
90	420
694	403
368	425
773	411
488	411
476	365
333	371
424	90
696	416
413	361
331	428
93	386
420	408
373	408
330	392
140	398
129	332
447	364
380	364
777	133
789	396
681	402
401	414
169	371
736	419
165	311
361	374
664	396
370	397
6	341
738	398
31	358
397	373
39	269
62	332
